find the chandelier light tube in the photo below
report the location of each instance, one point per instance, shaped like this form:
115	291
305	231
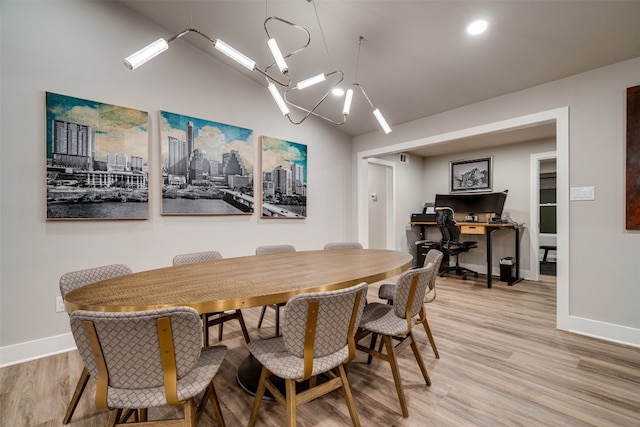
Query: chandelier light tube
145	54
311	81
278	98
234	54
154	49
347	102
383	123
277	55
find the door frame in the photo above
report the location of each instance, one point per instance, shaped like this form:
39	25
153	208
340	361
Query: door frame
534	212
559	116
390	207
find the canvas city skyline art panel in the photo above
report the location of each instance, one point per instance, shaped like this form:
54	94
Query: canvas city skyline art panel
207	167
97	160
284	178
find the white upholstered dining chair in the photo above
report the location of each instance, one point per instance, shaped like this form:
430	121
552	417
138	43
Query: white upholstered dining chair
75	280
148	359
387	290
337	246
395	323
216	318
317	339
269	250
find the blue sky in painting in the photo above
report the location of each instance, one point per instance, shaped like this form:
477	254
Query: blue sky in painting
279	152
231	133
117	129
213	138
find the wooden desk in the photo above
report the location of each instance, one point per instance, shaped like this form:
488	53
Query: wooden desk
487	229
237	283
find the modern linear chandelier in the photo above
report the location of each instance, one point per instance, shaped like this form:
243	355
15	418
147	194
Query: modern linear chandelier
275	79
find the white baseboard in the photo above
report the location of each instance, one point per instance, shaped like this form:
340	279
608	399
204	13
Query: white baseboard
31	350
604	331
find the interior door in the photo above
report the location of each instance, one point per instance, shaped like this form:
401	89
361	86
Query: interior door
380	206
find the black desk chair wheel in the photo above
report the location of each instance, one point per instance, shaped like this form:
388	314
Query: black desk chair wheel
451	244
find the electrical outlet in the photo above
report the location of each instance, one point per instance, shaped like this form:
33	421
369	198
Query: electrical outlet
59	304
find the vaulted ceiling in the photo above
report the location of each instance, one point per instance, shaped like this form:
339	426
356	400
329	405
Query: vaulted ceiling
416	59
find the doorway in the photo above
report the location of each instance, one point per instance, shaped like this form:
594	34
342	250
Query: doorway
381	212
543	213
560	118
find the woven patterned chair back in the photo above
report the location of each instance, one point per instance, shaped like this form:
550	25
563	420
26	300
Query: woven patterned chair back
433	257
274	249
334	317
196	257
403	288
130	344
337	246
78	279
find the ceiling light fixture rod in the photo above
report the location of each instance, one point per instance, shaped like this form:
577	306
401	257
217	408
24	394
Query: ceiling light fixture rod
311	81
376	111
154	49
312	111
306	44
149	52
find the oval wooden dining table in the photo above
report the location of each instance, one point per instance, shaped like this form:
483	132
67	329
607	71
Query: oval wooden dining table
238	283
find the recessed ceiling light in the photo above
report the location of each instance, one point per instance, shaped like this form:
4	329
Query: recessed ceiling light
337	92
477	27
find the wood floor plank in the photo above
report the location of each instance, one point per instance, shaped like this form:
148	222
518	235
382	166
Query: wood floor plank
502	363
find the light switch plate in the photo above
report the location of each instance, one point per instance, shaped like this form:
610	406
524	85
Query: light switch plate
582	193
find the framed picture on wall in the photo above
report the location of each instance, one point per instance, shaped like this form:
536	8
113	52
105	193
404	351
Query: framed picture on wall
284	178
207	167
97	160
471	175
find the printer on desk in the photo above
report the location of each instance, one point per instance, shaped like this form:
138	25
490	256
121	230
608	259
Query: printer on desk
428	214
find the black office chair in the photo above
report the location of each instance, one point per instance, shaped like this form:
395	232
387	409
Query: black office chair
451	244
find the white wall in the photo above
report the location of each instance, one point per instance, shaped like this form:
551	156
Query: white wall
76	48
603	257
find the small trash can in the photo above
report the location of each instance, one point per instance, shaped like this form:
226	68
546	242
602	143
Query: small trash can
506	269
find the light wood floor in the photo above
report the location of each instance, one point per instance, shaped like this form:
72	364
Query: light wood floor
502	364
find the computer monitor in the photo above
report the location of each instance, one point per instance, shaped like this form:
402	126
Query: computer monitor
476	203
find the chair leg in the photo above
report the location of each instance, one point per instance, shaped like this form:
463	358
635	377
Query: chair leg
205	330
395	370
114	417
215	404
423	319
73	404
349	397
243	326
189	413
290	387
264	310
262	385
126	415
418	356
374	338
